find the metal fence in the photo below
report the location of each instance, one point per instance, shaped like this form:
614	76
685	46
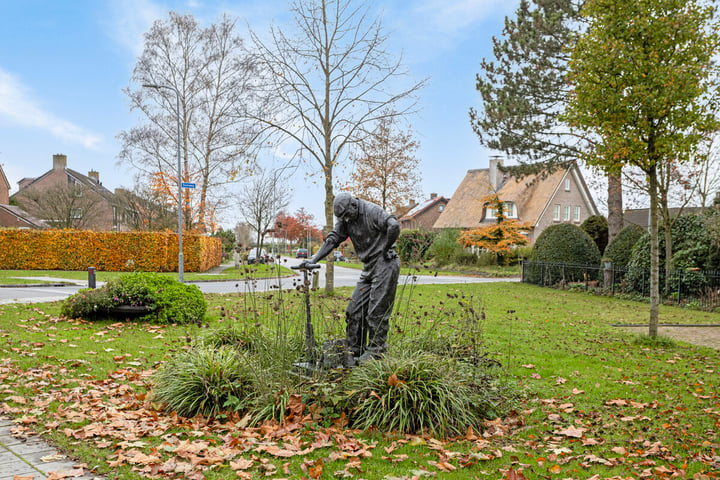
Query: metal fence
685	286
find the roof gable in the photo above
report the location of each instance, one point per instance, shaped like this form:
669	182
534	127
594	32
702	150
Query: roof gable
422	207
3	178
530	194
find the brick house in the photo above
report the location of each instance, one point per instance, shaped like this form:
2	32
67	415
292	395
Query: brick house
65	198
11	215
424	215
562	196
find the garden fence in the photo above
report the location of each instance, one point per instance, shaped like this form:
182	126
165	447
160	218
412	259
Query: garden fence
685	286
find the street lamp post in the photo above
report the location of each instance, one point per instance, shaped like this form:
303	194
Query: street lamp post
181	261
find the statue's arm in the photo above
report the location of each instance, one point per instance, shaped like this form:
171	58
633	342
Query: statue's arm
391	235
333	240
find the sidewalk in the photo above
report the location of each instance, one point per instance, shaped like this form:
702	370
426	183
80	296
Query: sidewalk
34	459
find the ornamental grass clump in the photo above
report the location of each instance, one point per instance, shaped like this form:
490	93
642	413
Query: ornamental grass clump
413	393
204	380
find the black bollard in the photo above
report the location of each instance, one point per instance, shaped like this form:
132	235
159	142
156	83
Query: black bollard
91	277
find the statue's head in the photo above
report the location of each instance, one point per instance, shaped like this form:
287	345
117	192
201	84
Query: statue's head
345	206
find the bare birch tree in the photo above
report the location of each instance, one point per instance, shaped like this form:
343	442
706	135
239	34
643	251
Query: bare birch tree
262	197
329	82
213	76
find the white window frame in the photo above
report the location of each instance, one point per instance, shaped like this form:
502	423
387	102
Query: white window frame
567	184
510	210
556	212
566	213
576	216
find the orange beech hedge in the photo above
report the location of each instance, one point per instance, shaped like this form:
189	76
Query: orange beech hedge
107	251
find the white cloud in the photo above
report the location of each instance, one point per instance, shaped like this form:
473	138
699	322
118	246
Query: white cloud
450	16
130	19
18	106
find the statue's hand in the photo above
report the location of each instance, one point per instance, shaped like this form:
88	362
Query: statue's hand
390	254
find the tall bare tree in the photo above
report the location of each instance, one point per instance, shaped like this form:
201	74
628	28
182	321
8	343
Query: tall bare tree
212	74
63	205
330	82
386	170
144	208
262	197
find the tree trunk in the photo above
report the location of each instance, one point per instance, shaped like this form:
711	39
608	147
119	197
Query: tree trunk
654	254
668	251
615	206
329	217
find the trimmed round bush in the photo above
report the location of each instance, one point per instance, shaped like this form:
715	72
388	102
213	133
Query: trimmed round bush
204	380
414	393
565	251
597	227
180	303
620	249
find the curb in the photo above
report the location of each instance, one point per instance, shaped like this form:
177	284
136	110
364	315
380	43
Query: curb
30	285
32	457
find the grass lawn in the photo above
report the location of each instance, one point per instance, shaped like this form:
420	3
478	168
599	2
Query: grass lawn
228	273
596	401
453	270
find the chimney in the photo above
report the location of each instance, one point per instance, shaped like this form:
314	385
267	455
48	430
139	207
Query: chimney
494	174
94	175
25	182
433	196
59	161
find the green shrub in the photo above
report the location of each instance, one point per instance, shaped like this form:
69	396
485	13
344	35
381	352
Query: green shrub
138	289
88	303
570	247
413	245
165	299
204	380
413	393
620	249
692	246
180	303
597	227
445	249
465	258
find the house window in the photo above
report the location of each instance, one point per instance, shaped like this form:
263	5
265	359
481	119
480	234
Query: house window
76	213
577	213
556	213
510	211
489	213
441	208
567	184
566	213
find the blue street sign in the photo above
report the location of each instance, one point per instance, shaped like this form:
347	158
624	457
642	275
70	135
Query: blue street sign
187	185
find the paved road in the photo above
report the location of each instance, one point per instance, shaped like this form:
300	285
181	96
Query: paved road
344	277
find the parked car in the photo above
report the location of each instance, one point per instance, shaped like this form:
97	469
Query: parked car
301	253
338	256
253	256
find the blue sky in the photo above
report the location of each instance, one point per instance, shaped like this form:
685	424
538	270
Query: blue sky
63	65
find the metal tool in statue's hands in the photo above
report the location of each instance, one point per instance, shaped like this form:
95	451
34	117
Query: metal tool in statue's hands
310	345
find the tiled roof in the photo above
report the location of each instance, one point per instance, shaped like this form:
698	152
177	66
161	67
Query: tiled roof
421	207
22	214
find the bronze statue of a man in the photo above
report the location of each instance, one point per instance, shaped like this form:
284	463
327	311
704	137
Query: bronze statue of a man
373	233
